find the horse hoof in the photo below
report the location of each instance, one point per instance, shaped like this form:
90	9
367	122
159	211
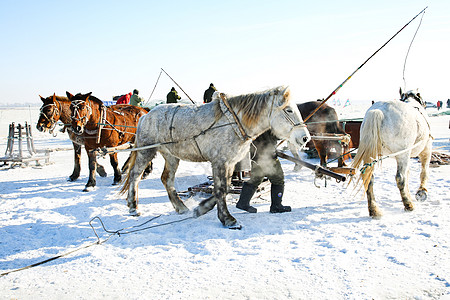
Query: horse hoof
236	226
116	183
421	195
183	210
197	212
88	189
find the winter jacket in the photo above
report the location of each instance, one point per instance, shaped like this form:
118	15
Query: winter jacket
172	97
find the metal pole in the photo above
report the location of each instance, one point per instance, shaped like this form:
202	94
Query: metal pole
178	86
345	81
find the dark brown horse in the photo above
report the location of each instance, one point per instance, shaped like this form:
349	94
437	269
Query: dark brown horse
325	120
57	108
101	126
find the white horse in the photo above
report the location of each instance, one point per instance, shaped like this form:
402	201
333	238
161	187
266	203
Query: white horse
220	132
397	129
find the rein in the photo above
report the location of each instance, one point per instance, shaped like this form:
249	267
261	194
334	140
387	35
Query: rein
243	135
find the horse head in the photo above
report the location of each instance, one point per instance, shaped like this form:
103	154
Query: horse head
80	111
285	119
411	94
49	114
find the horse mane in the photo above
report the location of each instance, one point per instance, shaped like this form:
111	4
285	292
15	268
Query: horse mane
91	98
252	105
60	98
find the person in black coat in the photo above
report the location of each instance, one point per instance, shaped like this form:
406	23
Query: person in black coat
207	96
265	163
172	96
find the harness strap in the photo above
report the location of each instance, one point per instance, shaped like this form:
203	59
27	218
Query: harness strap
171	122
102	121
232	117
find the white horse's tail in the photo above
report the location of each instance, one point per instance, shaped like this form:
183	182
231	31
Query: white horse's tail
129	166
369	145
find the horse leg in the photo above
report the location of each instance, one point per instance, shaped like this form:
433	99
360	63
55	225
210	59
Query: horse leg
168	180
147	170
322	151
92	167
220	193
374	211
115	164
76	161
142	159
425	157
402	180
342	157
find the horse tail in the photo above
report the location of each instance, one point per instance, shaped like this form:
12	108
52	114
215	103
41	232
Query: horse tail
128	166
369	145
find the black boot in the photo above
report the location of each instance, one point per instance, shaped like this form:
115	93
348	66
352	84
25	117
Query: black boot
246	195
276	193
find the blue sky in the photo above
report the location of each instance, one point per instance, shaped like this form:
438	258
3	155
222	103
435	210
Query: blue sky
112	47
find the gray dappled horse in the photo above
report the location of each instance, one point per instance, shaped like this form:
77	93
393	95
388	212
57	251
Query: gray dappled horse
209	132
399	129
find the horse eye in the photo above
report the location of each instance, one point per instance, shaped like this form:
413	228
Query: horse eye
288	110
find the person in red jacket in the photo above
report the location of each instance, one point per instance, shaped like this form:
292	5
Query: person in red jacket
124	99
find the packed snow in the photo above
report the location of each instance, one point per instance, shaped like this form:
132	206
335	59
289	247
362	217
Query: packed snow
326	248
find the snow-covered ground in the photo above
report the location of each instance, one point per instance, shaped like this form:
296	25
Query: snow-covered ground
326	248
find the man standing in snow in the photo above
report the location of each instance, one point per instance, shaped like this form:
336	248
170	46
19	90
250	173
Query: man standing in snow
264	163
172	96
207	96
135	99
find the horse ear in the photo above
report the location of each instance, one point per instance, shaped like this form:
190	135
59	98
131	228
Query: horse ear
42	98
401	91
69	95
88	95
54	97
286	93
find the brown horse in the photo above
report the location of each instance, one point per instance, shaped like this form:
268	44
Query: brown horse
325	120
57	108
101	126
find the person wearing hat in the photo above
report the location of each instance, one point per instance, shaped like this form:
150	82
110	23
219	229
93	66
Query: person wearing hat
135	99
172	96
207	96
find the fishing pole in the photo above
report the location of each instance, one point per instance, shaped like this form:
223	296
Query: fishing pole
178	86
348	78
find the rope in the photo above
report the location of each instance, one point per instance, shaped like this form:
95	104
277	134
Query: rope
157	80
371	164
409	48
99	241
348	78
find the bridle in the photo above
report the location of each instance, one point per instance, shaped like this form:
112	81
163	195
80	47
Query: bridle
417	97
76	112
50	119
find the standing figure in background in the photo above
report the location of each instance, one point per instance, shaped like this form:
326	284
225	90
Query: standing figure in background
172	96
135	99
207	96
264	163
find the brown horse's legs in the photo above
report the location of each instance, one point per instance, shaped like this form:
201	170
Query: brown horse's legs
115	164
402	180
92	167
322	151
168	180
374	212
76	161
